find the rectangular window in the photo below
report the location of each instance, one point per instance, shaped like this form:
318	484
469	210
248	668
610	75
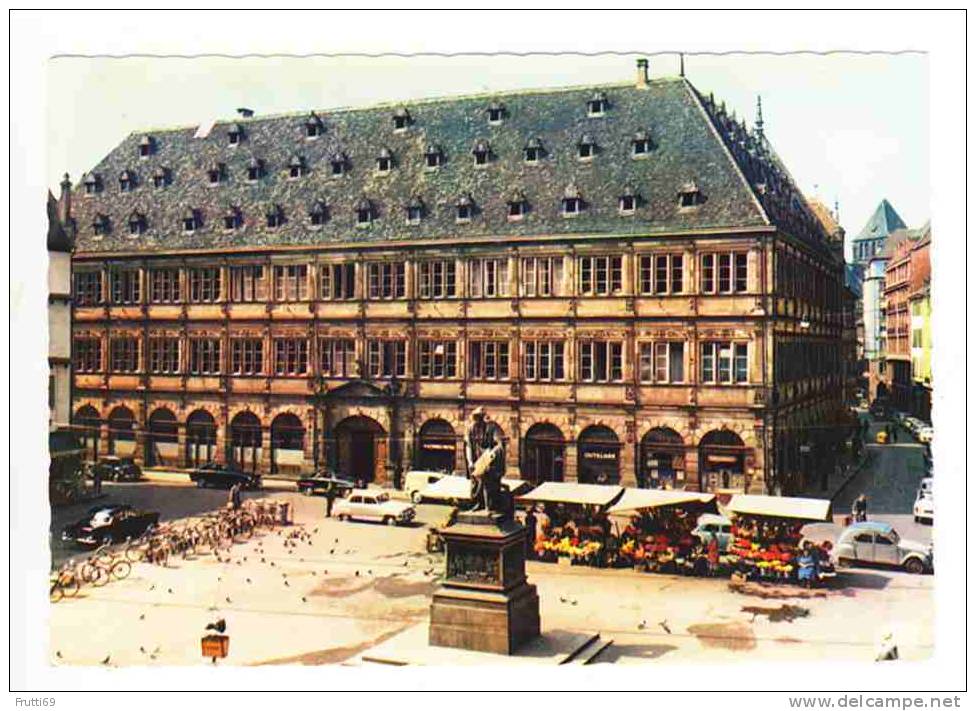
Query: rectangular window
164	286
124	354
337	357
601	276
725	273
601	361
437	280
542	276
543	360
291	356
204	284
661	274
724	362
126	285
488	278
437	359
386	280
337	282
662	362
204	356
88	288
488	360
87	354
248	284
291	282
386	358
247	356
164	355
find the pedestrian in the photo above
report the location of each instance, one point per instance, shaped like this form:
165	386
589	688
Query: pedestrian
330	497
712	555
234	497
894	433
96	480
860	508
531	522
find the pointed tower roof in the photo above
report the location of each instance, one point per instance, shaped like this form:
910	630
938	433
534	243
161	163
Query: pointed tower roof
883	222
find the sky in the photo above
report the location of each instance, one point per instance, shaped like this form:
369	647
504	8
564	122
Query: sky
850	128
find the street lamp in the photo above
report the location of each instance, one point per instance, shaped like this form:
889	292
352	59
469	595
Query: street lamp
321	389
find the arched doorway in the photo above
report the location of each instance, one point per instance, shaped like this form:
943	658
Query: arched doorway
721	461
245	441
121	432
598	453
162	438
436	446
545	453
89	429
287	442
662	460
361	449
201	438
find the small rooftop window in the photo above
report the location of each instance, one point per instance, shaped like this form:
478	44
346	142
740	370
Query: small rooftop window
572	202
415	211
482	153
137	223
597	105
641	144
191	220
401	119
533	151
338	163
364	213
690	195
319	214
255	169
464	208
161	177
233	219
384	161
101	225
586	148
235	134
627	202
93	184
296	167
216	173
147	146
313	126
517	206
127	181
275	216
433	156
496	113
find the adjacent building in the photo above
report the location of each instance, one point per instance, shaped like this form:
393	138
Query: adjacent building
59	247
624	277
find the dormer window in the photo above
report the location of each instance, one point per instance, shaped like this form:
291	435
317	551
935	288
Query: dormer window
517	205
433	156
191	220
464	209
627	202
235	134
275	217
481	152
93	184
415	211
296	168
496	113
597	105
101	225
161	178
215	173
690	195
137	223
384	161
319	214
401	119
147	146
233	220
572	202
255	169
338	163
127	181
533	151
364	213
641	144
586	148
313	126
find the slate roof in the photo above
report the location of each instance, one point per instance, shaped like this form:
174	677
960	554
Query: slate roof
58	239
692	142
882	223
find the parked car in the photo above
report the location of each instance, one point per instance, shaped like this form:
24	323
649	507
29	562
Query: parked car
913	424
924	434
109	523
924	507
878	543
714	525
219	476
323	482
925	486
116	469
373	504
416	482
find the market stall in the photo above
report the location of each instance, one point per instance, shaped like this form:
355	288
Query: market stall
767	543
574	523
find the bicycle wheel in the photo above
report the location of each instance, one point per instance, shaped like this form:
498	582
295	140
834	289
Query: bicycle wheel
121	569
135	552
69	584
94	574
57	593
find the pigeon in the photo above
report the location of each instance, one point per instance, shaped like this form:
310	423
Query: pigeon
336	540
219	579
151	588
562	599
369	572
301	560
107	659
218	626
573	602
248	580
304	599
287	585
357	573
142	649
272	564
142	616
642	625
663	624
331	552
227	598
263	560
169	590
58	654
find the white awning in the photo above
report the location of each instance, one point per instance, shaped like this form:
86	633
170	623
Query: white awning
780	507
642	499
570	493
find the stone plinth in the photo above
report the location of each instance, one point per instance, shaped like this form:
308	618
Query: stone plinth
485	603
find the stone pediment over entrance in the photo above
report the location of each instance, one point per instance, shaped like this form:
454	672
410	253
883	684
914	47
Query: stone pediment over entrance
357	390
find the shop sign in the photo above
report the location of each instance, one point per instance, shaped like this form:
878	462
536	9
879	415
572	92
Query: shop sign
605	456
438	446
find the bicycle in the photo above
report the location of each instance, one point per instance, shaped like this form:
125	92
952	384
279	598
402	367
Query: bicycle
65	582
103	565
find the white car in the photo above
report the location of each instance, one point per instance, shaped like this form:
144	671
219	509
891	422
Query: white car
924	507
370	504
924	434
416	482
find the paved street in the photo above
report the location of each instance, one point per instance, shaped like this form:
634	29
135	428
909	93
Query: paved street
350	586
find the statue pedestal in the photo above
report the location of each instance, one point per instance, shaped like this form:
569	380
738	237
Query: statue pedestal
485	603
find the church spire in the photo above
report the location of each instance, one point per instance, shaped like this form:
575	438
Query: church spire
759	118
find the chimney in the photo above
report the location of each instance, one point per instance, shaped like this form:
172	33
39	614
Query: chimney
64	201
641	73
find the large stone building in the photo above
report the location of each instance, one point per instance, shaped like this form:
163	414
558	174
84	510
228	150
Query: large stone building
624	277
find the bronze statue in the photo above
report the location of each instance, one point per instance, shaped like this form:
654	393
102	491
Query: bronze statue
484	450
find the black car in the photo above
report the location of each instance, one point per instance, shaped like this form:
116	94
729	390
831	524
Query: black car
109	523
116	469
219	476
324	481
